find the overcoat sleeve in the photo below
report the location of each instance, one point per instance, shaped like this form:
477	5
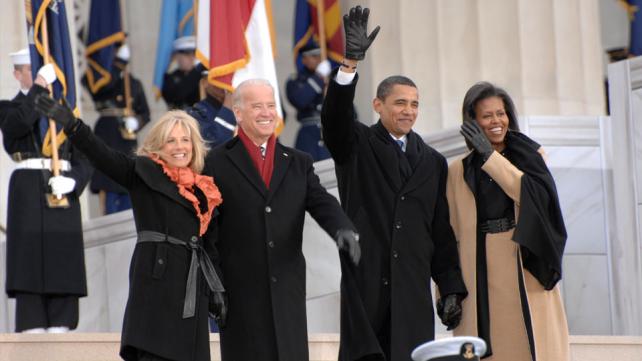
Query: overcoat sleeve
338	120
505	174
445	267
118	166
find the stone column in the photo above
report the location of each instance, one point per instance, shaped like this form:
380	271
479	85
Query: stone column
546	54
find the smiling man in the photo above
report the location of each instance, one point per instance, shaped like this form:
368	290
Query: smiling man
392	185
267	188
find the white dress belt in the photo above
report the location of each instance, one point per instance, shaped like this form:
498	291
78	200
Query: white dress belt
42	163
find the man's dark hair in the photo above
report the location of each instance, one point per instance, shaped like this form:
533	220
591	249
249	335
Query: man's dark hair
484	90
385	87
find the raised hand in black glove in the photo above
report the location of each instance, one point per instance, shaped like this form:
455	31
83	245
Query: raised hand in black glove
358	41
348	241
50	108
477	138
218	308
449	310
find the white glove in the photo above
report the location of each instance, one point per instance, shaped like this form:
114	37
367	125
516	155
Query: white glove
61	185
48	73
324	68
123	53
131	123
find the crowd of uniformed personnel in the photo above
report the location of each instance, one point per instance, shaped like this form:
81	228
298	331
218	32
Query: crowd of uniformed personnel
220	231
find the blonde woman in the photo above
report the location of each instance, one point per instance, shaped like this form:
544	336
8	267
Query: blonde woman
171	275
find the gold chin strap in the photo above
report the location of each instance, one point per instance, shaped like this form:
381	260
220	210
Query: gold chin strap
46	144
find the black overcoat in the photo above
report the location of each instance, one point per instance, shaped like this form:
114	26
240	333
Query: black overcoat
158	271
260	247
45	250
405	235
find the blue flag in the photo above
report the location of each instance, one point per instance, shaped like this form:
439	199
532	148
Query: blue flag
635	15
104	36
177	19
306	29
53	14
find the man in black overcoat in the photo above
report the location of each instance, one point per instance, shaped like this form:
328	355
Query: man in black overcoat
392	185
45	251
266	189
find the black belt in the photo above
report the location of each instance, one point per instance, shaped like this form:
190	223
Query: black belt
497	225
199	259
20	156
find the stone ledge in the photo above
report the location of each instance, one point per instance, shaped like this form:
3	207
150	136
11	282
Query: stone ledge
323	347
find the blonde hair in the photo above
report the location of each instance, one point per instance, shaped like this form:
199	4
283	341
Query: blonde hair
158	135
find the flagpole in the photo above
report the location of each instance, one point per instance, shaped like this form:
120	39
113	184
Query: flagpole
55	162
321	27
53	200
127	134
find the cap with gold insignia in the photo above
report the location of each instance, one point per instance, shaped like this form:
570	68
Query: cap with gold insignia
20	57
184	44
461	348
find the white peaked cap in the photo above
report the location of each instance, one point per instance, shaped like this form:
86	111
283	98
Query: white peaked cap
20	57
450	346
184	43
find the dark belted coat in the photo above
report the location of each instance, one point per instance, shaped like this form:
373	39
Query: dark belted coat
158	271
260	248
45	250
405	235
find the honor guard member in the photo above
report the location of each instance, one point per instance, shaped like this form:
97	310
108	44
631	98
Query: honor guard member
463	348
305	92
214	113
45	252
180	87
118	125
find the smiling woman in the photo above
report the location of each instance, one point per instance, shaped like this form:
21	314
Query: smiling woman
174	257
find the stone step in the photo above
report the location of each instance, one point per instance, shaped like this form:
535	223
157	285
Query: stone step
323	347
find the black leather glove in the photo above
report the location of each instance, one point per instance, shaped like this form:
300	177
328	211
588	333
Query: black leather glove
355	24
348	240
449	310
218	308
477	138
50	108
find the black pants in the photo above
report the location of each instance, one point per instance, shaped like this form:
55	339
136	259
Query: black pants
146	356
36	311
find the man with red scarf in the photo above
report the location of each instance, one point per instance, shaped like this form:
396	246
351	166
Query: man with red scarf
267	189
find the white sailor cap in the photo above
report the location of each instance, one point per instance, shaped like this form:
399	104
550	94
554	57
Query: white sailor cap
20	57
452	348
184	43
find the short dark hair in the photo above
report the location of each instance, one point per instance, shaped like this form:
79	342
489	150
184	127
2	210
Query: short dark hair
484	90
385	87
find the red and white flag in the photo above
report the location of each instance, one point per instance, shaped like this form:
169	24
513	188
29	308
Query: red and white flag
234	41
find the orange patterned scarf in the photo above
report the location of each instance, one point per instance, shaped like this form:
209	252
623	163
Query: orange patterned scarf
185	179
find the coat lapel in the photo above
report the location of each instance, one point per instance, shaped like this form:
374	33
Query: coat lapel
282	160
387	158
153	176
239	157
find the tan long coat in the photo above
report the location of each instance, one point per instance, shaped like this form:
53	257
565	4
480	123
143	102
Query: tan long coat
508	331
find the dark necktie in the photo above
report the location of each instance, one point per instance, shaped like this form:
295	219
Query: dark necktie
262	148
400	143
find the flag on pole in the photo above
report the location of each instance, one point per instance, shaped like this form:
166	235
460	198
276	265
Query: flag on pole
105	34
235	41
60	54
306	29
177	19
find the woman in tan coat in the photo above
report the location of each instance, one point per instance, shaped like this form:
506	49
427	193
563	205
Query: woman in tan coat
506	217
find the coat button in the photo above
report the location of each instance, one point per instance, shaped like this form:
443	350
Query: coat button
273	279
194	239
403	198
395	254
385	281
160	261
398	224
268	209
271	244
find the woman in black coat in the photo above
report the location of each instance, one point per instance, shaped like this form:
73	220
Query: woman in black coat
171	276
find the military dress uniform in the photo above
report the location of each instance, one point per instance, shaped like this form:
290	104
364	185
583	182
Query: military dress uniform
180	89
110	102
45	251
216	121
305	92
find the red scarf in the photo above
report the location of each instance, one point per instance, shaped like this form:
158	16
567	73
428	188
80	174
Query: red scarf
265	167
185	179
